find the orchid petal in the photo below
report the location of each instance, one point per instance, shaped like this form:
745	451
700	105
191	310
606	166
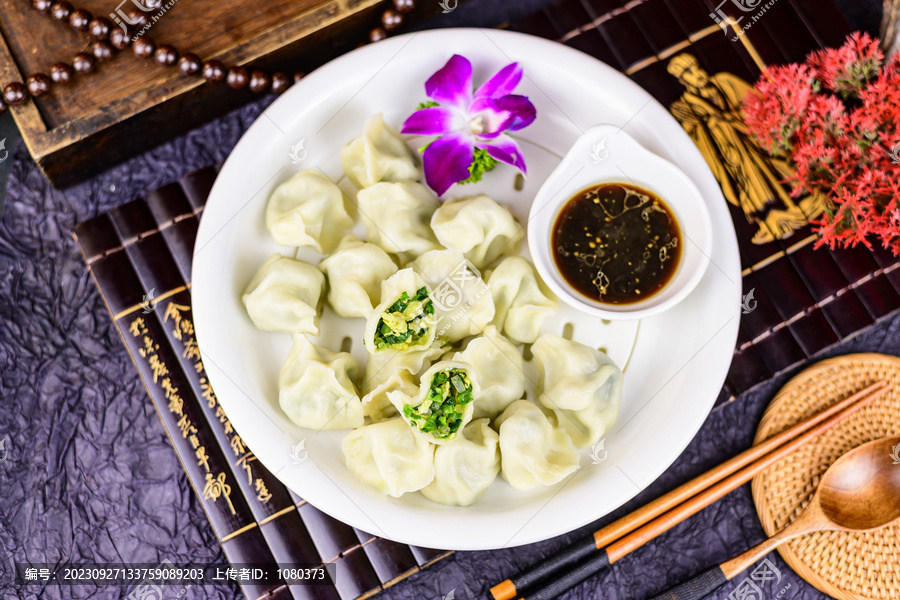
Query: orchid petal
521	108
502	83
447	161
508	113
452	83
432	121
504	149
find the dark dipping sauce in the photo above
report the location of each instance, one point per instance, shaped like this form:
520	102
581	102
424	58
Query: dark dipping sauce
616	243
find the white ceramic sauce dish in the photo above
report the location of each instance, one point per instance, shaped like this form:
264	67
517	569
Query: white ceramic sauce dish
605	154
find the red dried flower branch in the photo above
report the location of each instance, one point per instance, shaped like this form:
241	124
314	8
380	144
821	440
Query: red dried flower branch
837	118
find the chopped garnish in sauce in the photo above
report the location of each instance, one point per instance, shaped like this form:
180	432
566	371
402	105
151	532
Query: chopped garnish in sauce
616	243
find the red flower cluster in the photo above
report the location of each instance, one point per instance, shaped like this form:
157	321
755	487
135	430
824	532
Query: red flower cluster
837	118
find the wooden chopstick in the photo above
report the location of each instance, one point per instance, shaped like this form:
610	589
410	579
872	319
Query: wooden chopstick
590	555
600	559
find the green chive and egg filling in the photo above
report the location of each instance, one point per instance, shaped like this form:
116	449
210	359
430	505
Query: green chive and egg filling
445	401
405	319
405	323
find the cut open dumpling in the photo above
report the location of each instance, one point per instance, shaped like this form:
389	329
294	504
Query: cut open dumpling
443	404
405	318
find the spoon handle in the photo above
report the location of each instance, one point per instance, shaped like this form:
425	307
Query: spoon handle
735	566
706	582
697	587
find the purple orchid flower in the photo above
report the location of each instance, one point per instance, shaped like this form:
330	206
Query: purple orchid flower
467	120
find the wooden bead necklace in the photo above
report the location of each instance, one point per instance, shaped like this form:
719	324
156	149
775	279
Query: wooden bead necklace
108	39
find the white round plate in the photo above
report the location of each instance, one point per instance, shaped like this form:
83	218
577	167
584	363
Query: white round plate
676	361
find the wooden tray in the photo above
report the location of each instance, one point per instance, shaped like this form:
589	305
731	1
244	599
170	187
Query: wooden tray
847	566
129	105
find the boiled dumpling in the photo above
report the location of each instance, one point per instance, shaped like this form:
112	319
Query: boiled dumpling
464	470
379	154
463	303
405	318
478	227
521	299
443	404
355	273
500	372
380	366
376	404
390	457
315	388
308	210
397	217
284	296
392	371
581	385
533	452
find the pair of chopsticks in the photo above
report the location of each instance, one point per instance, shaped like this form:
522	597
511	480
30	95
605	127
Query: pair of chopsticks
592	554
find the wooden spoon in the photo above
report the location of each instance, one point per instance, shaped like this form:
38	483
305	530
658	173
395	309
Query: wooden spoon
859	492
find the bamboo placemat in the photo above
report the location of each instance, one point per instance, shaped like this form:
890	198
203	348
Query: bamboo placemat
798	301
139	255
847	566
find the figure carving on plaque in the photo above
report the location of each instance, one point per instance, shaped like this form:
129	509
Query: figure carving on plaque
710	112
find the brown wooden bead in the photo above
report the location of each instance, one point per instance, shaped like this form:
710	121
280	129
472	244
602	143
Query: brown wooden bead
61	10
377	34
138	17
166	55
119	39
2	107
143	47
84	63
299	75
102	51
259	81
100	28
80	19
189	64
62	73
391	19
15	93
280	82
404	6
42	5
38	85
152	4
213	70
237	78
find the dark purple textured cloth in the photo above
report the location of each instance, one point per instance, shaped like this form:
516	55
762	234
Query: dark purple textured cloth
88	475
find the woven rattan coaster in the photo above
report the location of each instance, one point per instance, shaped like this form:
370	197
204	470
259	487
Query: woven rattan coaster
857	566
